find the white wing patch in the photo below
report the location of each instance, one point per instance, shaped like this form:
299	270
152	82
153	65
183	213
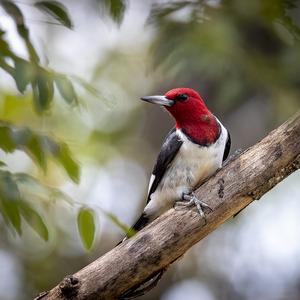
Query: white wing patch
152	178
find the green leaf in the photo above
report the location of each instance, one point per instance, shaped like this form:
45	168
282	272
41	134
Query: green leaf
10	212
66	89
8	187
32	143
24	74
42	91
10	200
6	142
35	148
62	154
69	164
34	220
116	9
126	229
2	163
56	10
4	47
86	227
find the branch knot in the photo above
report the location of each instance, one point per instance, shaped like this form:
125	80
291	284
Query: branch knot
69	286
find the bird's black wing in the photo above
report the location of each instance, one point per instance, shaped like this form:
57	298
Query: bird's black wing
227	146
167	153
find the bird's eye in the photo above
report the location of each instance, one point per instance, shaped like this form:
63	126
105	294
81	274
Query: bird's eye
182	97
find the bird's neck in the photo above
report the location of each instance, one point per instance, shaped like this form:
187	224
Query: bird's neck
202	128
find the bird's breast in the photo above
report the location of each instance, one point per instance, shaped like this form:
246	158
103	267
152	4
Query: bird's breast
191	166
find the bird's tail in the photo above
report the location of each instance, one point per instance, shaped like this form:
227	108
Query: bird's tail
139	224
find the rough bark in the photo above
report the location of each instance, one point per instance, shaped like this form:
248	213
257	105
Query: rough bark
242	180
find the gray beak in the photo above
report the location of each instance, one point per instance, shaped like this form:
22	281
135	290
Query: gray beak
160	100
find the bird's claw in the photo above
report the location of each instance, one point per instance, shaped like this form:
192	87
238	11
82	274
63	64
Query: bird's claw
191	199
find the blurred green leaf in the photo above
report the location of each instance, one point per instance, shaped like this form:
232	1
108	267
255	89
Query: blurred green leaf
4	47
34	220
6	142
86	227
65	158
8	186
35	148
10	212
10	200
62	154
25	139
116	9
2	163
160	11
42	91
66	89
57	10
24	74
126	229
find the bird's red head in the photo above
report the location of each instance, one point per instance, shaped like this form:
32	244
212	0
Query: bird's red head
190	113
188	106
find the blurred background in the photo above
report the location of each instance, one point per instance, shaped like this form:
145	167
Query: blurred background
78	147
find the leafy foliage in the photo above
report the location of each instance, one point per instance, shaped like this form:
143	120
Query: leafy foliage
39	147
15	205
29	72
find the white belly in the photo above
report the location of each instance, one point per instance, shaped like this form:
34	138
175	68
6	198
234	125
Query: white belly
191	166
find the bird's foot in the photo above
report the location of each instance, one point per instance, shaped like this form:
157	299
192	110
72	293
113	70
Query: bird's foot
191	199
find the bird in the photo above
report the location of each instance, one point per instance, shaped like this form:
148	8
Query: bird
192	151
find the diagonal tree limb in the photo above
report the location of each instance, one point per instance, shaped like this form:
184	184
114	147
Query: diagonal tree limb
232	188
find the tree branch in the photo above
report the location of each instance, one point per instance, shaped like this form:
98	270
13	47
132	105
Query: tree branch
232	188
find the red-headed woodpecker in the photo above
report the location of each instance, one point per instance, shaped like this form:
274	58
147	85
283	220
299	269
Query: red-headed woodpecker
193	150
